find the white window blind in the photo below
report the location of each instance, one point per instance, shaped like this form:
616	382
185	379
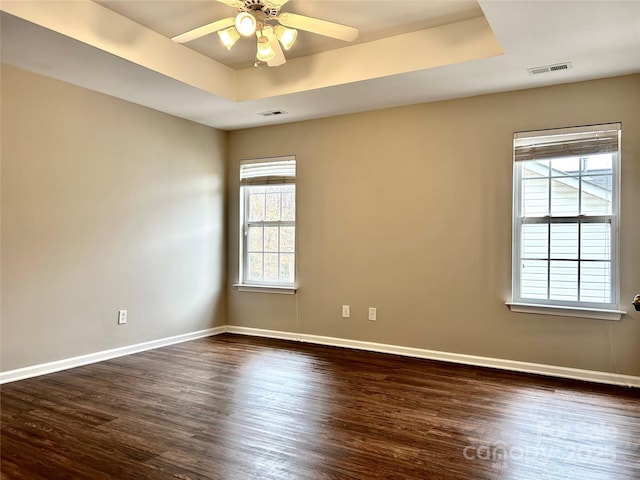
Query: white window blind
263	172
566	142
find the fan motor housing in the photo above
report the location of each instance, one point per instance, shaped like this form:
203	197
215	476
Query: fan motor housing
259	5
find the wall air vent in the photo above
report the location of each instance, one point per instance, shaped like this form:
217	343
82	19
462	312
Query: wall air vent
549	68
271	113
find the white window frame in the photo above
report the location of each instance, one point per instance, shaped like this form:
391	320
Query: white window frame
284	175
529	146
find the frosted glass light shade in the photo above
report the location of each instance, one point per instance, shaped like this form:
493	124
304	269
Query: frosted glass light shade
265	51
229	37
287	36
245	24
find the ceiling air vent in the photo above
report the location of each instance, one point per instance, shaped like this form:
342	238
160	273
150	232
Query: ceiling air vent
549	68
271	113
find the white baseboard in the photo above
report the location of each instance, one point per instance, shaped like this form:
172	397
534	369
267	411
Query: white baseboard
259	332
65	364
502	364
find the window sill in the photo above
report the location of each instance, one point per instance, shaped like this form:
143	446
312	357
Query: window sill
592	313
265	289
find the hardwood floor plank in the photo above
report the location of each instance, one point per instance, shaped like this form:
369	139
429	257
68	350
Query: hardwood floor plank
233	407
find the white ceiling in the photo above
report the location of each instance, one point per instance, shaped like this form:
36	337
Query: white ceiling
408	52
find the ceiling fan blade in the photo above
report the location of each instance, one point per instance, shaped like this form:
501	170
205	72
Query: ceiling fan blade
233	3
279	58
274	3
321	27
204	30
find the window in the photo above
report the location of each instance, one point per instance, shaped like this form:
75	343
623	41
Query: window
565	223
268	222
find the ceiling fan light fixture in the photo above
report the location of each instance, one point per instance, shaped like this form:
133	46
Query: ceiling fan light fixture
265	50
286	36
229	37
245	24
275	31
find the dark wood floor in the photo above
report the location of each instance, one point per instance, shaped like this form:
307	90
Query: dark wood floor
233	407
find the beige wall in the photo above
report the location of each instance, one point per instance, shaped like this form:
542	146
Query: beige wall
105	205
108	205
409	210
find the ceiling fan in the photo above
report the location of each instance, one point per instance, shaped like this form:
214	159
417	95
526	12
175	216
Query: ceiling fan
272	28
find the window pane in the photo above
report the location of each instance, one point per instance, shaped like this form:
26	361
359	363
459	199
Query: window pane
289	204
596	195
256	204
564	240
602	163
595	282
271	267
288	239
535	240
596	241
254	239
564	196
563	283
255	266
536	169
597	177
535	197
565	166
533	279
287	267
271	239
256	189
273	202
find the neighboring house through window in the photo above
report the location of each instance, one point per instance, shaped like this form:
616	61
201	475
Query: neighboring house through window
268	222
565	223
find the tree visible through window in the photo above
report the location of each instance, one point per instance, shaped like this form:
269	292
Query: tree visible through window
268	214
565	217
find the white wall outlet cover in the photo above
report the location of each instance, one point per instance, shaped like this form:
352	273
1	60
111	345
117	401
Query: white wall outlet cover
122	317
372	313
346	311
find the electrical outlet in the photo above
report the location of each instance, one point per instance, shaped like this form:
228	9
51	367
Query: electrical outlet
346	311
122	317
372	313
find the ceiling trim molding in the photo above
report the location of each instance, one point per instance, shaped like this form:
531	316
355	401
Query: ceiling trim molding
421	50
99	27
